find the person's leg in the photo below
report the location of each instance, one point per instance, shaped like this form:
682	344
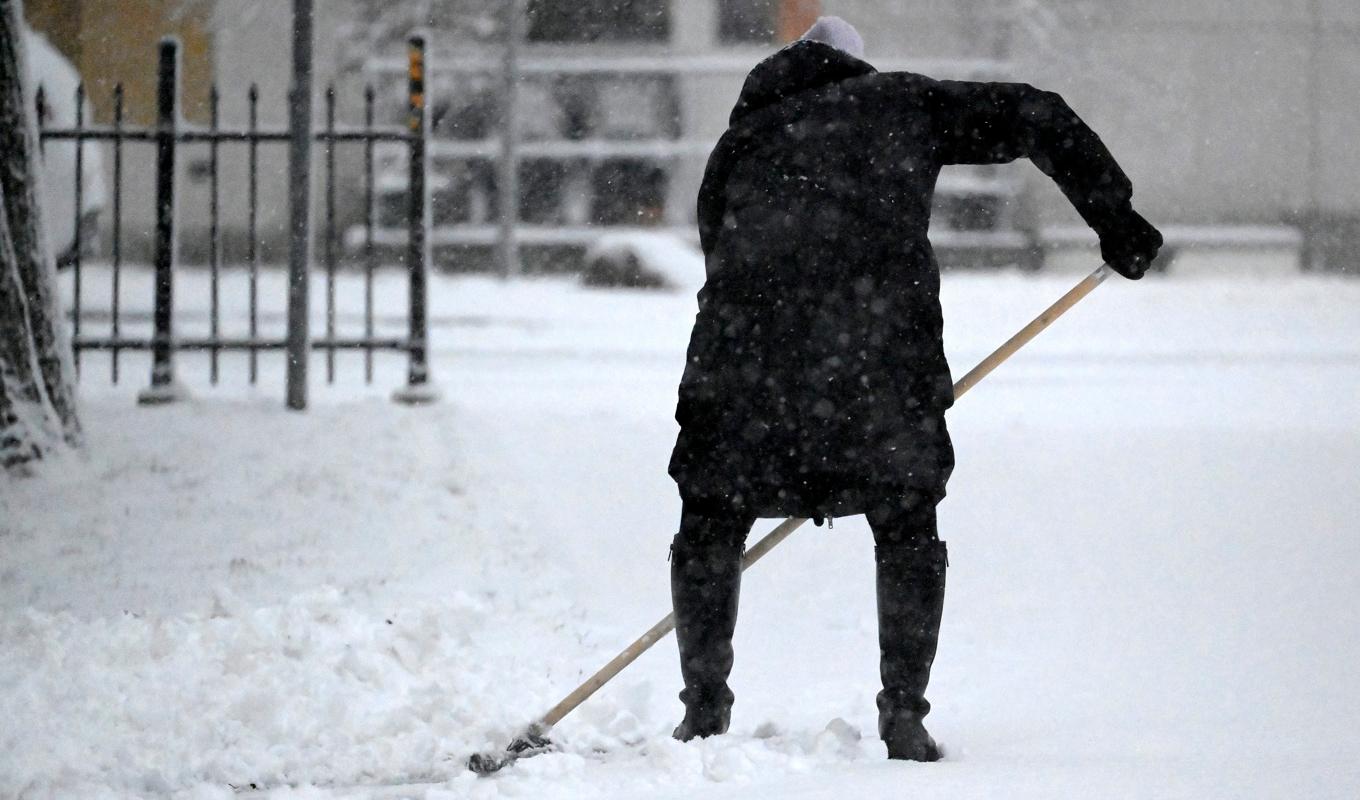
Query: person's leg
911	563
705	584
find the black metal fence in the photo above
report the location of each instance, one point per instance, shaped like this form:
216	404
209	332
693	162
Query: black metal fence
168	135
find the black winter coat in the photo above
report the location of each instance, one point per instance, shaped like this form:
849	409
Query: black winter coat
816	380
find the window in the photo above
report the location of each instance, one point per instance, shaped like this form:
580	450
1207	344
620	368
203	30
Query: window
577	21
628	192
747	21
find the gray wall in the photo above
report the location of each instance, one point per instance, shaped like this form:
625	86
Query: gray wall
1207	103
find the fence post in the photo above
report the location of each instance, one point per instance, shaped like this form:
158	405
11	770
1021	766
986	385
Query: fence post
418	389
163	388
299	211
507	175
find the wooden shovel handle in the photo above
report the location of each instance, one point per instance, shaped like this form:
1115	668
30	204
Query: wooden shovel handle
660	629
1031	330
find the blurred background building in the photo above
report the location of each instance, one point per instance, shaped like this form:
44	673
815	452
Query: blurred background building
1233	117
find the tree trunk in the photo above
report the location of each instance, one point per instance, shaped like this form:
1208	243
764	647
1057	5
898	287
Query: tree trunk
37	397
25	413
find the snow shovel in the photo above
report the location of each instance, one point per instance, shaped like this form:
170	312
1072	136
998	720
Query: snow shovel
534	740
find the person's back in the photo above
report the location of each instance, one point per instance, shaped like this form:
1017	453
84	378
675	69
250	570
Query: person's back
816	382
811	172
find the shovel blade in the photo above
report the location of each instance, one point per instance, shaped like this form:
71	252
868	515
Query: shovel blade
532	742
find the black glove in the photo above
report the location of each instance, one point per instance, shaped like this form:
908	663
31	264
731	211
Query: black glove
1130	245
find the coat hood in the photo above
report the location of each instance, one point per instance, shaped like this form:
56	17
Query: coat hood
838	33
801	66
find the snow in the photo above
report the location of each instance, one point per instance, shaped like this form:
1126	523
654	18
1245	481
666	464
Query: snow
666	259
1152	534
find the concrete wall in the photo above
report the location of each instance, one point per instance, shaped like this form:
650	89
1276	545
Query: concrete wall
114	41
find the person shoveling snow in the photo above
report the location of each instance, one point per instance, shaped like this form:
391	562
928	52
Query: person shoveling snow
816	383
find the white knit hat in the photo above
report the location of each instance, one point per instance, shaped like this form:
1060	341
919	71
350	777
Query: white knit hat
838	33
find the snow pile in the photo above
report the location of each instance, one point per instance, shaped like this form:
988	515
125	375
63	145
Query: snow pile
313	691
324	691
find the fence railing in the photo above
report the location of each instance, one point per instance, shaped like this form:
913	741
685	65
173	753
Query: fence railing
168	135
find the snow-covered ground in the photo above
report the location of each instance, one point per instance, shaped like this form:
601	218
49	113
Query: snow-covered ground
1154	534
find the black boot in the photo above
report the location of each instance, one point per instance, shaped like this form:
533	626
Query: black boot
910	602
705	584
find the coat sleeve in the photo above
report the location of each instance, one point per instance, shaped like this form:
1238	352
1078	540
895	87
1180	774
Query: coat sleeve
991	123
713	194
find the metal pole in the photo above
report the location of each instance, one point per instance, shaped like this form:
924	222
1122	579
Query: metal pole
1312	250
299	212
370	254
214	238
163	388
508	172
76	226
117	243
417	389
328	234
252	226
